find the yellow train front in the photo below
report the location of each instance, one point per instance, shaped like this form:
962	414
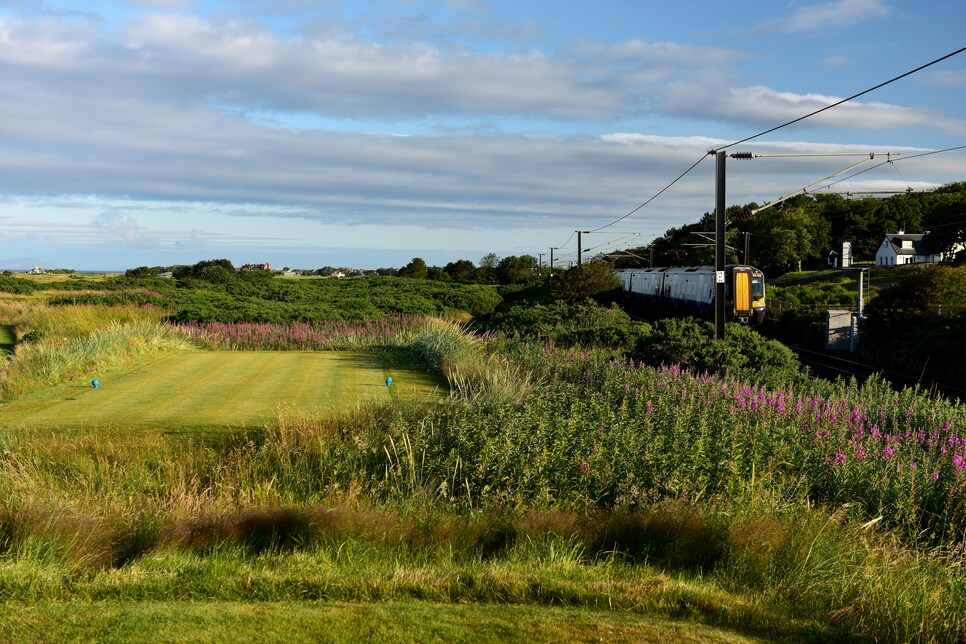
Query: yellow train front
693	288
746	300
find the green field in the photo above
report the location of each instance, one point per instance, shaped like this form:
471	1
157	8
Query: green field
217	389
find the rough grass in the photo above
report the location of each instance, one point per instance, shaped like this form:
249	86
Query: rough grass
649	492
48	361
472	372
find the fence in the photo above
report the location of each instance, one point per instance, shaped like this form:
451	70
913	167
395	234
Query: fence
778	306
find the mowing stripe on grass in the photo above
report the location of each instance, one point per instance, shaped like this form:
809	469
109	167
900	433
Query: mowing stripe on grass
223	389
8	338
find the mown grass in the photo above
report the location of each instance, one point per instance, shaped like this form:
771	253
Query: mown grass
8	338
217	389
411	621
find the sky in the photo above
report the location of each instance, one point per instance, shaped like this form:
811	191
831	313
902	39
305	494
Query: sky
362	134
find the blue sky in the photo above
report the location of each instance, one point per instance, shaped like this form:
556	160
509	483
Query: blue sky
363	134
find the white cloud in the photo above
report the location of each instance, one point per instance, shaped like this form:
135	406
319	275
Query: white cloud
122	227
831	15
758	105
163	110
947	78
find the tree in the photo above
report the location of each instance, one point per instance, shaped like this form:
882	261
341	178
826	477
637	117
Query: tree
591	279
517	269
216	270
140	272
416	268
461	270
788	236
945	220
486	272
926	309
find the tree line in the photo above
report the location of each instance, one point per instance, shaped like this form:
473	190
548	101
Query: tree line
801	231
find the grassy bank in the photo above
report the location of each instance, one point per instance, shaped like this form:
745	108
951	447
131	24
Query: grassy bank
550	478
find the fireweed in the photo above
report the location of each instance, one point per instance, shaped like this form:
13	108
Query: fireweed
639	431
307	336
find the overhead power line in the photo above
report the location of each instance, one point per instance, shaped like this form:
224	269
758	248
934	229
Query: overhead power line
660	192
893	161
845	100
783	125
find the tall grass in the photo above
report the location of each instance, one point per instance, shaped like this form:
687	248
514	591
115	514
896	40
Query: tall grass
39	320
473	372
58	343
845	502
54	359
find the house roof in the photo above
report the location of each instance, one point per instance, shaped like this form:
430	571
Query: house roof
915	238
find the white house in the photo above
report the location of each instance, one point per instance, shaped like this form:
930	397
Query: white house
904	248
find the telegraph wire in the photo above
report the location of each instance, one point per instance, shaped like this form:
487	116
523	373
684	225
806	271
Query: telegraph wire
899	173
879	165
783	125
564	245
681	176
845	100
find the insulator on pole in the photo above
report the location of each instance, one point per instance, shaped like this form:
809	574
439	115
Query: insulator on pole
742	155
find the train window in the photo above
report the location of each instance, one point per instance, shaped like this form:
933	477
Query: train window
757	287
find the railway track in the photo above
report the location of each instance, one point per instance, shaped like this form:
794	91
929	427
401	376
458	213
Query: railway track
831	366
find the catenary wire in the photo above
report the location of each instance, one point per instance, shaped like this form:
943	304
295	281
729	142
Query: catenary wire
783	125
845	100
681	176
879	165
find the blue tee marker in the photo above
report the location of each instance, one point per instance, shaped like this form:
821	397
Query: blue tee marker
96	383
388	381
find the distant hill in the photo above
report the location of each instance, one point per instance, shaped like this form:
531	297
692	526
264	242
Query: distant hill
22	264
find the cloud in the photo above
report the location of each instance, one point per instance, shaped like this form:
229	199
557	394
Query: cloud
830	15
123	227
947	78
836	61
176	109
757	105
195	240
240	65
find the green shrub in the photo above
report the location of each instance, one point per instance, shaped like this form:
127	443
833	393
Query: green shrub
743	353
585	323
16	285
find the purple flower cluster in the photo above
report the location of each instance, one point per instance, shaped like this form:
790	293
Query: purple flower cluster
842	430
306	336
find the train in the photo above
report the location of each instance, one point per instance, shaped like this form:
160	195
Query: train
693	288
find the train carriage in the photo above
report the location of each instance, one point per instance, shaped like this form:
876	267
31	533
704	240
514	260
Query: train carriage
694	288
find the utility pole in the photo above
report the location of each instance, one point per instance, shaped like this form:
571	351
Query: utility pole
719	245
854	327
652	257
747	248
580	247
552	248
540	261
